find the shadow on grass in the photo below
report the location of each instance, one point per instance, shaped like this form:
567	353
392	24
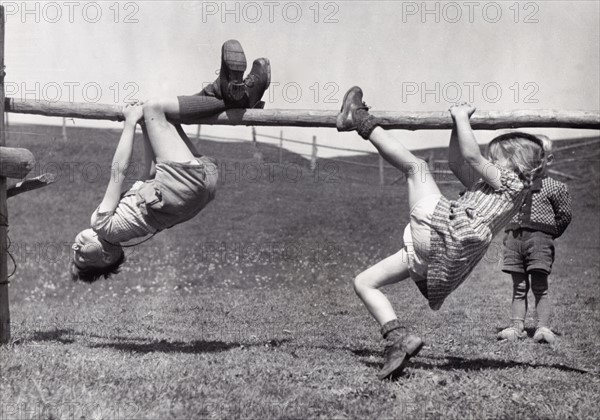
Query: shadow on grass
467	365
143	345
59	335
194	347
460	363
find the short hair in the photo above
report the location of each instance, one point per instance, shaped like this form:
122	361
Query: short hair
92	274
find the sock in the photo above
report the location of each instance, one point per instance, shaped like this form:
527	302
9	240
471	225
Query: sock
393	330
199	106
365	123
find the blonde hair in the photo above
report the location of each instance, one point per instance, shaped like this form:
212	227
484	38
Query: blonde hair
523	153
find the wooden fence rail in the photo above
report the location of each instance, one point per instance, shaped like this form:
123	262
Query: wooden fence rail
482	120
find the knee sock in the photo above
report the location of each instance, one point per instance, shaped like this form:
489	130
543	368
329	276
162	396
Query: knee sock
198	106
543	308
519	302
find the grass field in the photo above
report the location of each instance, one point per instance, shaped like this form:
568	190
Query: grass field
247	311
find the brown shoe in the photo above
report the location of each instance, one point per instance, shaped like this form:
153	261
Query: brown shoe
397	354
257	82
231	75
347	119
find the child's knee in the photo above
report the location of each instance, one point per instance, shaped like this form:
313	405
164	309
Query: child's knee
520	289
539	284
360	283
153	106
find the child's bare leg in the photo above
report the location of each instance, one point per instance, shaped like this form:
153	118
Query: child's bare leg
400	346
354	116
187	140
149	157
420	181
391	270
166	142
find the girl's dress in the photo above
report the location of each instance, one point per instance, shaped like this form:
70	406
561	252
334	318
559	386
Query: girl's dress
462	230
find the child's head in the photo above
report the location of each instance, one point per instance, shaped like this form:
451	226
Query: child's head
547	143
93	257
520	152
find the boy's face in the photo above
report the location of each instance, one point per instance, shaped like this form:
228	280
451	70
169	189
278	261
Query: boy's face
89	251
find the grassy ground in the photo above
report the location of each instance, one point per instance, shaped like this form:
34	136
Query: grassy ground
247	311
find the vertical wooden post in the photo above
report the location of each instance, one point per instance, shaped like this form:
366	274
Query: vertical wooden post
4	308
64	129
257	153
198	133
381	173
280	147
313	158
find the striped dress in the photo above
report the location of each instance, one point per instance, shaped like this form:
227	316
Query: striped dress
462	230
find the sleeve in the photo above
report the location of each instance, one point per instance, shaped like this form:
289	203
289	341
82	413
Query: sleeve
511	184
560	199
101	223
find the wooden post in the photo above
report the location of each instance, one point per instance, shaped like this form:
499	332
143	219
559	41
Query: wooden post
257	153
313	158
281	147
198	133
381	174
64	129
4	308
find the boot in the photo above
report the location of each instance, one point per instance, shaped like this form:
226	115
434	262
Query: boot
354	114
257	82
231	76
399	348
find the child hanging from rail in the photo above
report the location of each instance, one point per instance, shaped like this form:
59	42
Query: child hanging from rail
179	182
529	251
445	238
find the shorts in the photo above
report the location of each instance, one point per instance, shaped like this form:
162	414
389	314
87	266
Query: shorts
178	192
417	236
528	250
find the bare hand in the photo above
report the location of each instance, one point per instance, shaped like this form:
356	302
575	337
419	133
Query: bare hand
133	112
463	109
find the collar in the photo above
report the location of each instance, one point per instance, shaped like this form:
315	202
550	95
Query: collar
536	185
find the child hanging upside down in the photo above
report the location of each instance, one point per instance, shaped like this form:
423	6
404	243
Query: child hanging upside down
445	239
178	182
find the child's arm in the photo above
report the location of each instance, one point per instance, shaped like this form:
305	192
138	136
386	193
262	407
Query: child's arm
121	159
467	150
561	203
457	164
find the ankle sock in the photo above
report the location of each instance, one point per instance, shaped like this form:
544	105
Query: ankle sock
392	330
365	123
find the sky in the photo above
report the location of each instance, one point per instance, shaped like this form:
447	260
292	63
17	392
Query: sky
405	55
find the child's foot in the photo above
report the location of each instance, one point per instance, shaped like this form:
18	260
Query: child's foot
257	81
397	354
511	334
544	335
231	75
347	119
